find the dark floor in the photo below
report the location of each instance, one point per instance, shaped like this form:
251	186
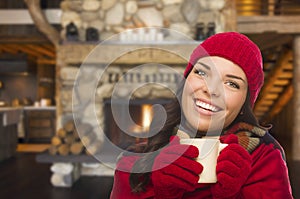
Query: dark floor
22	177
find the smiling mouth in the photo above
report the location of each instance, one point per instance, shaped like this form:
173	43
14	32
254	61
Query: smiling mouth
206	106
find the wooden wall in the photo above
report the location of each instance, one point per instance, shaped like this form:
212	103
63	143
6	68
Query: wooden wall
46	82
18	87
283	128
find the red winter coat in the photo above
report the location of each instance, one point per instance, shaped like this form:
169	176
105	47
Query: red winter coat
268	178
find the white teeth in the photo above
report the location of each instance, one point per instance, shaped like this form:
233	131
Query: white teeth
206	106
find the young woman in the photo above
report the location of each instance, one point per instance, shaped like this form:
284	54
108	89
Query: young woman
222	81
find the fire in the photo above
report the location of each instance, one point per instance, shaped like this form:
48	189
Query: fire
147	115
146	118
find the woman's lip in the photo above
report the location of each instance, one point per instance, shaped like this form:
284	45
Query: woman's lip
202	111
206	107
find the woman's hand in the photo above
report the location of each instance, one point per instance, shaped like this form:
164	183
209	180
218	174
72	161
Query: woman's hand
175	170
233	169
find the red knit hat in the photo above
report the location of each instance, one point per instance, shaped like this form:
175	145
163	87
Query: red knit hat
237	48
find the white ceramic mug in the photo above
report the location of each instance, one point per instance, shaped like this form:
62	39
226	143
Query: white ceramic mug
209	149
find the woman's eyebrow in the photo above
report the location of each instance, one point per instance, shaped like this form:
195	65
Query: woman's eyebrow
235	77
204	65
229	75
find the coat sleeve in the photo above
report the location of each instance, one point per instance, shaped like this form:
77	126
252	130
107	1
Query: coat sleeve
121	187
269	176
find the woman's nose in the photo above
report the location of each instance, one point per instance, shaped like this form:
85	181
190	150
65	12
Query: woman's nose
213	88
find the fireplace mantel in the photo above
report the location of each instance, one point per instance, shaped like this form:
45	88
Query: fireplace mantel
166	52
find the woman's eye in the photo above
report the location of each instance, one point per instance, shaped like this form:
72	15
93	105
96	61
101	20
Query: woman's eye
233	84
201	73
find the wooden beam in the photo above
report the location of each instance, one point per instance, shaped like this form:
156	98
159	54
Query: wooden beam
27	50
263	109
47	61
280	103
281	82
41	50
271	96
288	66
287	75
261	24
267	102
276	89
271	41
23	39
41	21
271	7
283	60
49	47
8	49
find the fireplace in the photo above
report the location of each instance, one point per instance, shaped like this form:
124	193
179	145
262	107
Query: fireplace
141	79
119	130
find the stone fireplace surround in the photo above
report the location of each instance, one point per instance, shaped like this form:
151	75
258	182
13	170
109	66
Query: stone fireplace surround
83	84
87	75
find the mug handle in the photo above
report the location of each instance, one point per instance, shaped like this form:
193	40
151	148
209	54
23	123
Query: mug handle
221	147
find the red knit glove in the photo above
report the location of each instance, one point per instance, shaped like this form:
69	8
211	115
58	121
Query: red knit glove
175	171
233	169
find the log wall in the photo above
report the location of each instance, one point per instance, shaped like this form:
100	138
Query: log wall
296	119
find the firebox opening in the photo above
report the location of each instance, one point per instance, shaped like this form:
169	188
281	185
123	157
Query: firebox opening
141	113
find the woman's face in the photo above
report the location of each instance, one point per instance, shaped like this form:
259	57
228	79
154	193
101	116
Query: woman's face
214	93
